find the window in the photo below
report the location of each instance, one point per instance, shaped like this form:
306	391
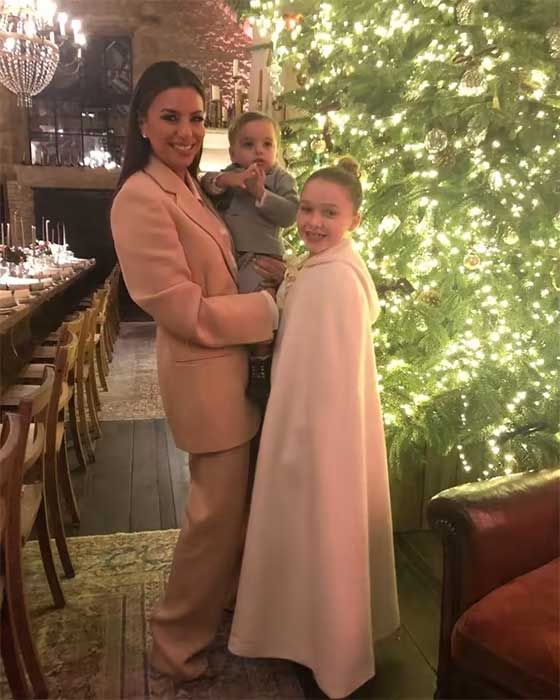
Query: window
80	119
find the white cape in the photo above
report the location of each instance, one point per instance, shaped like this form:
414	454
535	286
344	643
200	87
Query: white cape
318	578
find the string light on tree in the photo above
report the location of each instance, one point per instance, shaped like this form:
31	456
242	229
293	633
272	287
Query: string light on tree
452	109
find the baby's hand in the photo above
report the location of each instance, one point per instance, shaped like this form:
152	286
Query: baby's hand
237	178
254	184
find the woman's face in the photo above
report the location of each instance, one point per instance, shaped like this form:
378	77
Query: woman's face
325	216
174	126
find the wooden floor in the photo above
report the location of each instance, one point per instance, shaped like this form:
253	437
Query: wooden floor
139	481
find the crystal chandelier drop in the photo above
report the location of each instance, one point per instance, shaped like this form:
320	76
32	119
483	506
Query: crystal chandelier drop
31	34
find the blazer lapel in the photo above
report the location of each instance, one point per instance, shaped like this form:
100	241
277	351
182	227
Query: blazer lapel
200	214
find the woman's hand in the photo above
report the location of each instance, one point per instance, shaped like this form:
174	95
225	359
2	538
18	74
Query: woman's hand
270	269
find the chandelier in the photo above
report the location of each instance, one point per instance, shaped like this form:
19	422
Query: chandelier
31	36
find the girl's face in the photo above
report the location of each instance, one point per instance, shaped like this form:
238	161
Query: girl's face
325	216
174	126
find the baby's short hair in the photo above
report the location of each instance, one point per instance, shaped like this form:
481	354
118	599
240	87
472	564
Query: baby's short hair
247	118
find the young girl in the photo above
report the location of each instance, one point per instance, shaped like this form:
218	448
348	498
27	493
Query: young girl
318	578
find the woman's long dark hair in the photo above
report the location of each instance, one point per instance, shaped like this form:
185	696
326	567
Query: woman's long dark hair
155	79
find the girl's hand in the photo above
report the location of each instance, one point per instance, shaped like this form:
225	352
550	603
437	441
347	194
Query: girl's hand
271	291
270	269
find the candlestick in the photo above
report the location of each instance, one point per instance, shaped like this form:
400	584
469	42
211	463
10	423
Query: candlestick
33	240
22	233
215	92
9	238
64	235
259	96
2	239
235	67
47	221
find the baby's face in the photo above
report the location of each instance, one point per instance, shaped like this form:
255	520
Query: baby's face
255	143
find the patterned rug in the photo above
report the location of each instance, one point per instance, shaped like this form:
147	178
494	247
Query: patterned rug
133	385
95	648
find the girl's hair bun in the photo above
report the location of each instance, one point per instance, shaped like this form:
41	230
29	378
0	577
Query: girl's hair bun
349	165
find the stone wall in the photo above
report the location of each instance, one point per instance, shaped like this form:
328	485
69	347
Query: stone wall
201	34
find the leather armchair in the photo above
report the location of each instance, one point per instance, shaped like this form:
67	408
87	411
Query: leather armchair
500	609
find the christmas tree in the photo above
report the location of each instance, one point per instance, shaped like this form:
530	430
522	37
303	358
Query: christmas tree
453	111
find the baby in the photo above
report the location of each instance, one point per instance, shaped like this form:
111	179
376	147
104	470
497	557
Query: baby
257	198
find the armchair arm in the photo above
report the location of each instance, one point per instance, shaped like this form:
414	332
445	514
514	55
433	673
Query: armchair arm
492	532
499	529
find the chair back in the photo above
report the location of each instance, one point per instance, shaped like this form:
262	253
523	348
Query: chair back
61	389
35	412
13	440
87	349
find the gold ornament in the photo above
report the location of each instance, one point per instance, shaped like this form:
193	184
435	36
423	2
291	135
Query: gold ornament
553	38
509	235
471	261
464	12
555	278
436	141
291	20
301	79
319	146
430	296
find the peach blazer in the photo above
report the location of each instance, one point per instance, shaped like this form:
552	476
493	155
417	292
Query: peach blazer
178	264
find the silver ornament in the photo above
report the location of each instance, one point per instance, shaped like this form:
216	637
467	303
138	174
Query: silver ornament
495	180
553	38
389	224
436	141
476	132
472	82
291	152
464	12
426	263
556	221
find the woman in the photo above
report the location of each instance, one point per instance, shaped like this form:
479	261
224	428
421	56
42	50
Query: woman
318	578
178	264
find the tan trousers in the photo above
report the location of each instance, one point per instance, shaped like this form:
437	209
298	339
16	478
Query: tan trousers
205	563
